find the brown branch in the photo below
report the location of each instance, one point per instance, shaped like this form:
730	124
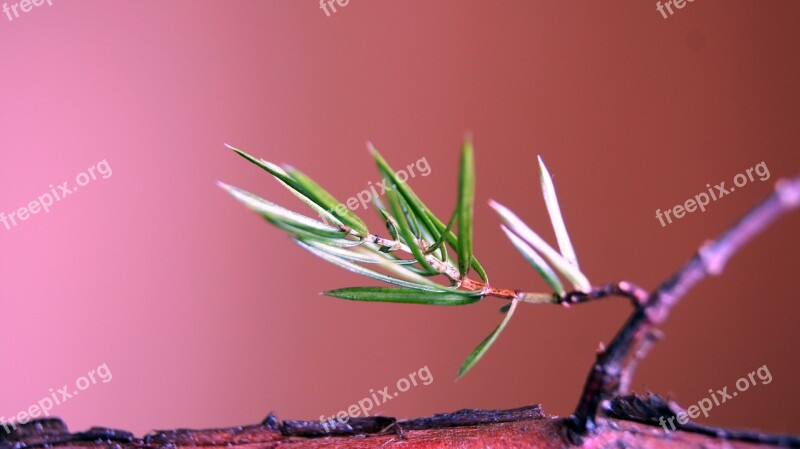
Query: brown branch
622	288
625	289
446	269
650	409
633	424
610	374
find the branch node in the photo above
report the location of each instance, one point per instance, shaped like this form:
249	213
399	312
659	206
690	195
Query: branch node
788	192
712	262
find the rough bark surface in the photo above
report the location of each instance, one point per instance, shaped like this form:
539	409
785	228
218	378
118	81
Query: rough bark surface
631	423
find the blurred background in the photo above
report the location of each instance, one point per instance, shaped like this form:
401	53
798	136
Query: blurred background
207	316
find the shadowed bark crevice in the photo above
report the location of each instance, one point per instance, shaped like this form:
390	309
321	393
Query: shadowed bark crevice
632	421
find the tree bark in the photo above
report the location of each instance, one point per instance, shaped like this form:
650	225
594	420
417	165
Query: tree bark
629	422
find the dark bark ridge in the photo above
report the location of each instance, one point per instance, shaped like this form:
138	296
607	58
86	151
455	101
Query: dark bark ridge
632	422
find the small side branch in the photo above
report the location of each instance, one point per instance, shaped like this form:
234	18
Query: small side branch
625	289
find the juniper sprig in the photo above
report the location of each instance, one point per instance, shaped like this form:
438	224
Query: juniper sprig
417	250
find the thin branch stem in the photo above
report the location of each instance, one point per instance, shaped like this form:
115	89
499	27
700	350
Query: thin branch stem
610	374
644	348
625	289
445	268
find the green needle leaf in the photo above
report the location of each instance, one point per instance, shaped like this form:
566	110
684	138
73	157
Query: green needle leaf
278	214
484	346
396	203
466	198
537	261
327	201
551	200
569	271
273	169
364	256
416	210
403	295
287	181
324	214
428	218
452	240
341	241
411	219
391	224
443	237
422	284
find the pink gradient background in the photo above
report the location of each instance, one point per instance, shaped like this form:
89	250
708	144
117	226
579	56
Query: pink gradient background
206	316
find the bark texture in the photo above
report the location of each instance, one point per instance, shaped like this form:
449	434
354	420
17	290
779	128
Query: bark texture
631	422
